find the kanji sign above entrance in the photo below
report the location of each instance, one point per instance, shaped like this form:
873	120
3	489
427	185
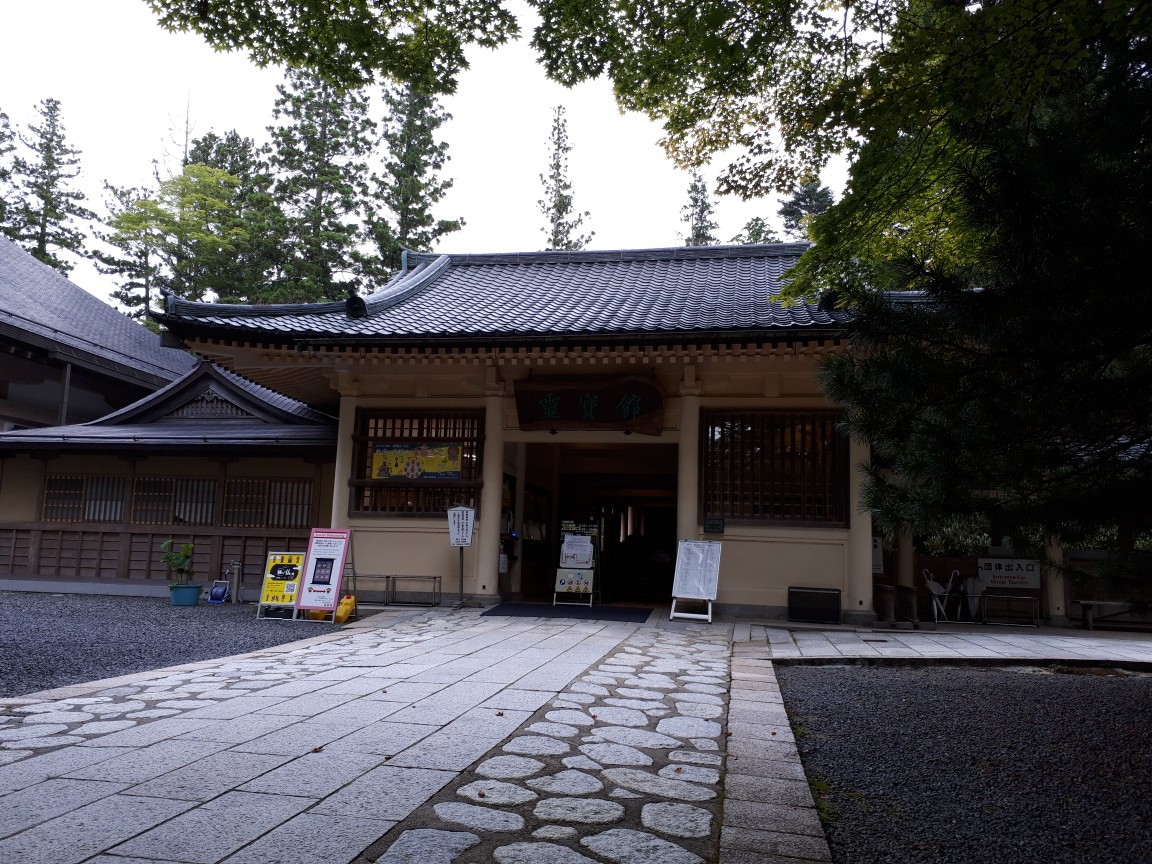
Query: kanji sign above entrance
630	403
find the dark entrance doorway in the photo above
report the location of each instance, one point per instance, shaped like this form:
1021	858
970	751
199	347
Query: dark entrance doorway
629	491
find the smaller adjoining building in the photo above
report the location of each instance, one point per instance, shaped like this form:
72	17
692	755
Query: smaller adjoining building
66	356
212	459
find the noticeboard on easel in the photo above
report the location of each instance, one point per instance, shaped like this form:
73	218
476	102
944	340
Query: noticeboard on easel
576	577
281	579
323	570
697	575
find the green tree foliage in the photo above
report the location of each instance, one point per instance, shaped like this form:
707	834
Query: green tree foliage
809	199
47	206
349	42
756	230
1009	381
399	214
130	256
699	213
184	239
251	275
562	221
7	191
318	157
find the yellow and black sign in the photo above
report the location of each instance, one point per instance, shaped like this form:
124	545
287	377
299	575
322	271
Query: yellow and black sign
281	578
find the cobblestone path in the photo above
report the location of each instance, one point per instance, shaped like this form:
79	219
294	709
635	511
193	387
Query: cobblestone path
624	765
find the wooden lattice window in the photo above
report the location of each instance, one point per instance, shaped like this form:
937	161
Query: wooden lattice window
774	466
261	503
173	501
416	463
83	499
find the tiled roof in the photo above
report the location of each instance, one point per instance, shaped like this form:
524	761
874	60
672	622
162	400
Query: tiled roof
241	414
39	306
261	400
684	291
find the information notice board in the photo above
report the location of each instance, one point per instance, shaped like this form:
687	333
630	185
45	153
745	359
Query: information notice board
697	575
281	578
323	569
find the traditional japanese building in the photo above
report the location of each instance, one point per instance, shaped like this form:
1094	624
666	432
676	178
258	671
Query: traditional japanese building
67	356
652	395
212	459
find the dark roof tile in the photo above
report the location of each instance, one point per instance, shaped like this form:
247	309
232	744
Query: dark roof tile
41	306
681	290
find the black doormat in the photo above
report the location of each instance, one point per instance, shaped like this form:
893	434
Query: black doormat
630	614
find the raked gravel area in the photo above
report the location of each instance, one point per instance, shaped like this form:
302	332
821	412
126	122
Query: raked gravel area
951	765
53	640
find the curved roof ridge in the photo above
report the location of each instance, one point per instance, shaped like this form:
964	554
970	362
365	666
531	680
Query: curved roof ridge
406	285
174	305
663	253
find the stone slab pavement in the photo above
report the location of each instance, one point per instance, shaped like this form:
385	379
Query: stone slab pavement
443	736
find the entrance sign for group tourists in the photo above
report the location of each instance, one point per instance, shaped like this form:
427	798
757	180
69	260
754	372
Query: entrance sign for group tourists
460	523
281	578
1008	573
323	569
697	574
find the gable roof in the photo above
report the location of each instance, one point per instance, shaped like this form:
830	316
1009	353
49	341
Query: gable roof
681	293
39	306
210	408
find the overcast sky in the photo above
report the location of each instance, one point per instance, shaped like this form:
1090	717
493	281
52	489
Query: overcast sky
124	85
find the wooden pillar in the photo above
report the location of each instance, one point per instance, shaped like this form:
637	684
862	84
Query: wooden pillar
688	459
343	472
515	575
485	565
858	588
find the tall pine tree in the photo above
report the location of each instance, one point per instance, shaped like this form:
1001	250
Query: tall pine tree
318	156
399	215
48	206
563	222
131	258
251	275
699	213
7	191
809	199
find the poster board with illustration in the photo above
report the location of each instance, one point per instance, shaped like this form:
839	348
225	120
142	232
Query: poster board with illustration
281	580
323	569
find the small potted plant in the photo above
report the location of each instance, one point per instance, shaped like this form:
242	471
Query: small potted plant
181	572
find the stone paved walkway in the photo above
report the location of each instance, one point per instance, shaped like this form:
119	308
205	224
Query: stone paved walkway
959	642
625	765
443	736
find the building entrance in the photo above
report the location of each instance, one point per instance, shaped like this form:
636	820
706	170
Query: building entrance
628	491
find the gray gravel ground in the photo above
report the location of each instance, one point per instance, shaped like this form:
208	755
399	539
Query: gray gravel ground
977	766
51	640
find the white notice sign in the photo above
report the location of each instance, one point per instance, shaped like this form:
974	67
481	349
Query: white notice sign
697	570
460	523
323	569
576	551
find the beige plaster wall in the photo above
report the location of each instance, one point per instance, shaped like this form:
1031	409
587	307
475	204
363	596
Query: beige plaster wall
415	547
757	566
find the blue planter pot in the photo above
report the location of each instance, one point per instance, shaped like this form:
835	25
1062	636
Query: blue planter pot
184	595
